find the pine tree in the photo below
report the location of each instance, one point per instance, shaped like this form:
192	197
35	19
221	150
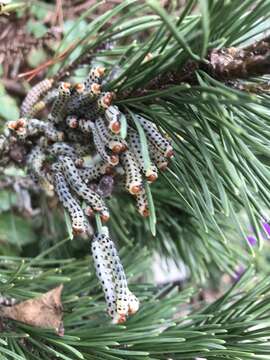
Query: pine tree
199	72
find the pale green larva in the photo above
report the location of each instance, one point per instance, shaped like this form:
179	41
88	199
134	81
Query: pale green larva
34	95
58	110
73	207
134	181
155	137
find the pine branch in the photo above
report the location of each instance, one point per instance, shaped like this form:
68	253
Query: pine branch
235	325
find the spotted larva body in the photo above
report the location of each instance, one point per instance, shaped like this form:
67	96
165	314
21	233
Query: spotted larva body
112	141
133	177
100	147
121	287
142	203
155	137
40	105
80	187
95	76
94	172
35	162
59	106
151	172
113	115
73	207
126	301
61	148
159	160
83	98
34	95
34	126
105	277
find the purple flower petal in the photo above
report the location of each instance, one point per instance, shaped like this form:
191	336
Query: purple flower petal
238	272
252	240
266	227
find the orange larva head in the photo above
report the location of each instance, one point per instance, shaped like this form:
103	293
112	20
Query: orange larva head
169	152
108	169
95	88
21	122
79	163
121	319
117	148
73	124
77	230
114	160
163	166
105	216
100	71
66	85
12	125
79	88
89	211
135	189
152	177
145	212
107	100
115	127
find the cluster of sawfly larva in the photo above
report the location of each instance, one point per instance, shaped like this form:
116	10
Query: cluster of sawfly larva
81	123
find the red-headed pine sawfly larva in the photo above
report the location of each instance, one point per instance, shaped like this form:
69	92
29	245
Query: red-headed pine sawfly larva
41	105
34	126
142	203
112	141
79	186
67	200
95	76
95	171
126	301
121	287
62	148
105	276
72	121
34	95
151	172
155	137
111	159
159	160
83	97
59	106
134	181
113	115
35	162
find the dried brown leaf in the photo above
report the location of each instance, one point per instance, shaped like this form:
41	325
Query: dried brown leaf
45	311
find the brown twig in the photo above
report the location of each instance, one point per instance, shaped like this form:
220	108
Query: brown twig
226	64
